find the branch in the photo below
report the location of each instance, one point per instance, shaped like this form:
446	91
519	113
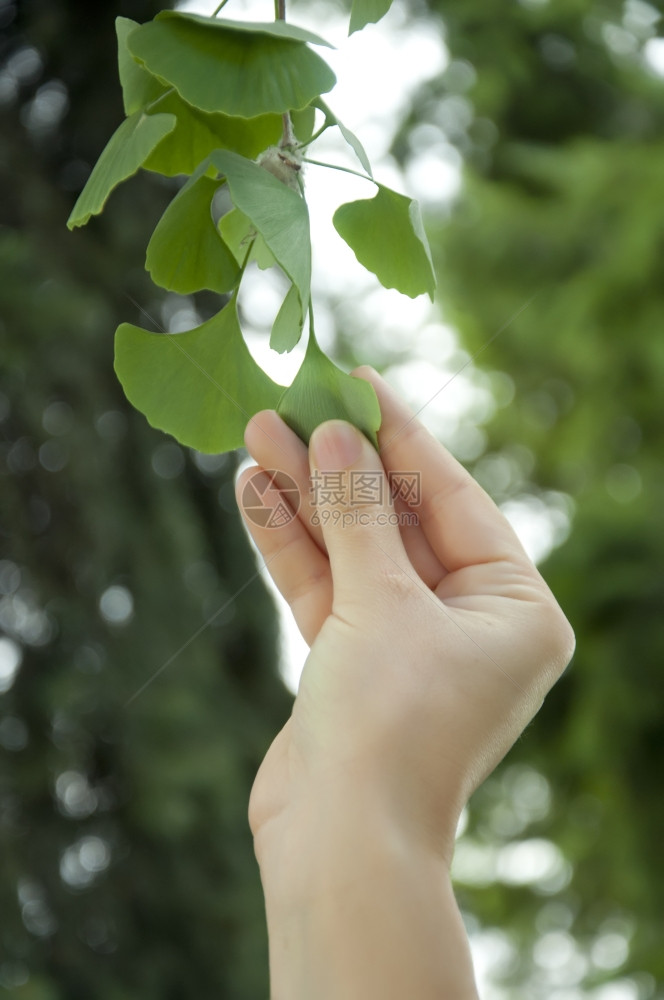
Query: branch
288	138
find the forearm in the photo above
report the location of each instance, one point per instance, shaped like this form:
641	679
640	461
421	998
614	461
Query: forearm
355	913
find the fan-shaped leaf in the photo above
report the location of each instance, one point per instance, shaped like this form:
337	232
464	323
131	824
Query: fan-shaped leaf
321	391
279	214
349	136
367	12
237	68
239	234
388	238
139	88
287	327
127	150
356	146
201	386
186	252
276	29
197	132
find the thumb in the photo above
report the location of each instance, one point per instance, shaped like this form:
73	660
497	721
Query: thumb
350	496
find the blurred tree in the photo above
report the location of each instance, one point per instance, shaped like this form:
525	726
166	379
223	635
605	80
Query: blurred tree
558	237
127	865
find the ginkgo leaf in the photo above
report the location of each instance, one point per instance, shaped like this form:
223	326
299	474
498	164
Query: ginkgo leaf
365	12
320	391
238	68
201	386
241	236
356	146
303	121
279	214
197	132
287	327
186	252
349	136
127	150
277	29
387	236
139	88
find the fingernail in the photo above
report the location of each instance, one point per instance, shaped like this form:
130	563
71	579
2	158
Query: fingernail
336	445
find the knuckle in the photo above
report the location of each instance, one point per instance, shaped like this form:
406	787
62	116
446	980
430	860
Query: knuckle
558	637
397	583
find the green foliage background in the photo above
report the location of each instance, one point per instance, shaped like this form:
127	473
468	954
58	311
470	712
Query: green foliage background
163	781
563	209
561	135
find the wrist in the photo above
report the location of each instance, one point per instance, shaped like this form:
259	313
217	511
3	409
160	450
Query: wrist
302	850
339	820
357	908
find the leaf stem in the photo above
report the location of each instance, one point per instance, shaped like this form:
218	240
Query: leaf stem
326	124
345	170
222	4
243	267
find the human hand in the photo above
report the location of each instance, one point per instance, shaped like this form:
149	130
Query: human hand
432	646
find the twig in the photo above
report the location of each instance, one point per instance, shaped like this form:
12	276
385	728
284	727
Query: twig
288	138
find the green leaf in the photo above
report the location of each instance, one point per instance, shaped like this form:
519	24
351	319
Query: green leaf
278	29
349	136
198	133
303	121
321	391
279	214
365	12
237	232
201	386
139	87
287	328
186	252
237	68
127	150
388	238
356	146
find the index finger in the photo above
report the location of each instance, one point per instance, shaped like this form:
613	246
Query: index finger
460	520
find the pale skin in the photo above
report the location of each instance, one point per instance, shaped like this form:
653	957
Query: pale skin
431	648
